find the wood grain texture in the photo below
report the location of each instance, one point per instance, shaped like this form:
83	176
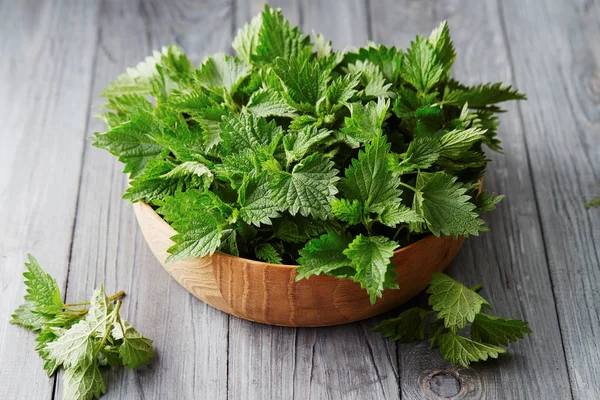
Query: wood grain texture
510	260
559	69
270	294
45	74
190	337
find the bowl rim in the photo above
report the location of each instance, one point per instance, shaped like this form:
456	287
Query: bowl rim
411	246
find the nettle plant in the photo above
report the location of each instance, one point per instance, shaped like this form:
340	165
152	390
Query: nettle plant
290	152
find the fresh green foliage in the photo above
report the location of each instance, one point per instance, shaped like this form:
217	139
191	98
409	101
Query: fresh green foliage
454	308
291	152
593	203
81	337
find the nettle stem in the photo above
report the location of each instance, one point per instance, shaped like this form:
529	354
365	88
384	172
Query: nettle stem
406	185
114	297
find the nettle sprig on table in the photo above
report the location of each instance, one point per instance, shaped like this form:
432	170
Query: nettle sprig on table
290	152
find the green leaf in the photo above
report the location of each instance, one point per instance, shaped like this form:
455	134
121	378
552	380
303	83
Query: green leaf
246	40
136	80
455	303
407	327
299	229
347	211
442	202
422	68
42	291
255	199
456	144
388	59
308	189
199	223
99	311
340	91
266	252
245	131
268	102
365	121
593	203
372	80
222	74
498	331
135	349
83	382
297	144
371	256
395	214
303	80
462	351
74	347
443	47
481	95
323	255
132	142
277	39
421	154
409	101
486	201
369	179
27	316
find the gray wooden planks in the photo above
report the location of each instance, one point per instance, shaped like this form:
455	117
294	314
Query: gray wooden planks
190	337
45	75
510	260
556	58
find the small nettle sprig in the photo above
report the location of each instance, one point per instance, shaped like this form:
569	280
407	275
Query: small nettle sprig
290	152
454	308
80	338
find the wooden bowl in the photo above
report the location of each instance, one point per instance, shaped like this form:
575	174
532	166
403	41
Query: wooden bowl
269	293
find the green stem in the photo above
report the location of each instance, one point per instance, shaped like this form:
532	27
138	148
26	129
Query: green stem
117	295
406	185
114	297
114	315
477	287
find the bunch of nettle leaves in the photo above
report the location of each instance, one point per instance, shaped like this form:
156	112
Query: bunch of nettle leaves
290	152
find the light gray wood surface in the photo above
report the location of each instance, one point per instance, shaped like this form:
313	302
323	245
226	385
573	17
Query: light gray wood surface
62	202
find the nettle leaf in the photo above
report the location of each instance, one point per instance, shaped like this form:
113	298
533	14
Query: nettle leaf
136	80
421	154
324	255
480	96
455	303
132	142
445	206
245	131
371	257
267	102
308	189
486	201
246	40
365	121
372	80
196	216
297	144
99	312
223	74
498	331
369	179
422	68
442	44
407	327
266	252
395	214
74	345
303	82
136	349
277	39
409	101
83	382
388	59
42	291
340	91
255	199
347	211
462	351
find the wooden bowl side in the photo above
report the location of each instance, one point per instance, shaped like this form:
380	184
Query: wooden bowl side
269	293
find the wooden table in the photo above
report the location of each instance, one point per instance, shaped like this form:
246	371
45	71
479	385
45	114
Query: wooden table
61	200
